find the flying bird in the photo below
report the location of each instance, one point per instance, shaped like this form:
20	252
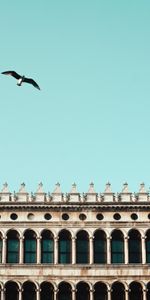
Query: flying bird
21	79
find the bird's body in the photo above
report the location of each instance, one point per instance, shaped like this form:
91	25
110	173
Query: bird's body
21	79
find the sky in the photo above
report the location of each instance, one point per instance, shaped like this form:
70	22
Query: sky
91	119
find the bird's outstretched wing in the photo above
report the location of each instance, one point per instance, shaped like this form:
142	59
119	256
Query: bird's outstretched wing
31	81
12	73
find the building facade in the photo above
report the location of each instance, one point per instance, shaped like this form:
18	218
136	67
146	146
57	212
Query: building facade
90	246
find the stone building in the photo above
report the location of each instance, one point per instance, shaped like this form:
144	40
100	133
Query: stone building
91	246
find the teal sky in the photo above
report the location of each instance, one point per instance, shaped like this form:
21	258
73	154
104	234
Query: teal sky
91	119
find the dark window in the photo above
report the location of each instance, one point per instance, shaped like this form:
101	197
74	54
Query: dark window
100	251
11	291
134	247
29	291
82	248
1	245
47	216
46	291
83	291
30	247
134	216
65	217
148	246
100	291
118	291
117	216
99	217
14	216
64	243
82	217
12	247
135	291
47	247
64	291
117	247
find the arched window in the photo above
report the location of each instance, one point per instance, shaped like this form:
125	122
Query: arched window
117	247
1	246
47	247
148	291
100	248
11	291
135	255
100	291
148	246
12	247
83	291
64	291
135	291
82	247
30	247
118	291
29	291
46	291
64	247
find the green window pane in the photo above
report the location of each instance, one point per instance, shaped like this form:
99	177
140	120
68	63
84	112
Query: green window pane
30	245
30	258
47	258
13	258
47	245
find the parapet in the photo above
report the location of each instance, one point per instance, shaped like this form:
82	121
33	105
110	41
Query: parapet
91	196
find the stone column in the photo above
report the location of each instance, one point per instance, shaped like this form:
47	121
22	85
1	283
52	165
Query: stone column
21	250
56	250
4	251
37	294
20	294
74	294
126	251
91	251
109	294
91	294
143	250
3	294
38	250
144	294
55	294
126	294
108	250
73	250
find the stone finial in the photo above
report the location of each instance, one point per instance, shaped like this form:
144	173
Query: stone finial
40	188
74	189
57	189
125	188
22	188
108	188
142	188
91	189
5	188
